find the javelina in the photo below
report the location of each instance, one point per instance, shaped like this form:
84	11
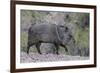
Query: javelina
56	34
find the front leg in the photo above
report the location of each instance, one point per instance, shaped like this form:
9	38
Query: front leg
57	49
38	48
64	47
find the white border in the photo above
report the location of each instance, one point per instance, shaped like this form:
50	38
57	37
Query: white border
52	64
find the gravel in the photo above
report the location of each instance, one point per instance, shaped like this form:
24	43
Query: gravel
35	57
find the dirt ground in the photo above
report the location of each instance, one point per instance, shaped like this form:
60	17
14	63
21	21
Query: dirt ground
35	57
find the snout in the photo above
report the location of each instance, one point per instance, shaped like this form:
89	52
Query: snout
69	40
72	40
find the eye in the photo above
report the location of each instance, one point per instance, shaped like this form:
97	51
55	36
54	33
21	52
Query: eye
66	29
70	36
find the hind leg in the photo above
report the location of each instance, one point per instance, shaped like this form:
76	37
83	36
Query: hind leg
28	47
38	48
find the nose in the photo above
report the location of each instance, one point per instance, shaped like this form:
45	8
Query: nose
74	40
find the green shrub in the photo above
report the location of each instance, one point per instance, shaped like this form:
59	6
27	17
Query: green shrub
24	40
82	38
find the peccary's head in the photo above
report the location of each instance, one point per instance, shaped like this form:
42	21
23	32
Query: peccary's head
66	35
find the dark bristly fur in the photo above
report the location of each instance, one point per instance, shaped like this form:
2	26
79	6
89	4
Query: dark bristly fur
58	35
